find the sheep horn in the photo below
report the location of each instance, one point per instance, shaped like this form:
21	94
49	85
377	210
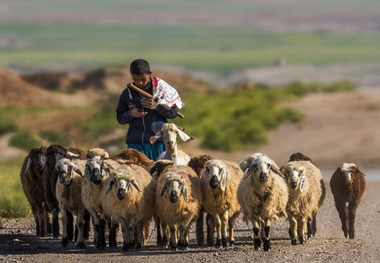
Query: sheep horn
276	171
44	163
163	191
135	184
72	154
28	164
109	186
184	192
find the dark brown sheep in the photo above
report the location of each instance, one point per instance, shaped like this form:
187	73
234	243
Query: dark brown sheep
311	225
197	164
32	179
347	185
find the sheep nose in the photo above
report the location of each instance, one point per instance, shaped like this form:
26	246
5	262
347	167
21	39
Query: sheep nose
293	185
214	183
263	177
170	143
121	193
173	196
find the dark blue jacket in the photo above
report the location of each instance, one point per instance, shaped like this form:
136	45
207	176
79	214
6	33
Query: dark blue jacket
140	129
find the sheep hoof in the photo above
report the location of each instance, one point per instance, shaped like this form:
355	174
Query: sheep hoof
218	243
138	246
267	245
65	241
257	243
210	242
294	241
302	241
232	243
174	248
224	242
125	247
80	245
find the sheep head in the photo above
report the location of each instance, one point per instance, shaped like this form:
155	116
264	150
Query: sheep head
168	133
295	174
36	158
96	170
158	167
64	169
248	161
120	180
176	186
348	169
215	174
97	153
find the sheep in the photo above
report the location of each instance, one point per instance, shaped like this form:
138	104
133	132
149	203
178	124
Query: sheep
248	160
168	132
68	192
178	194
305	191
31	180
127	156
95	176
311	226
220	181
197	164
122	202
347	185
263	195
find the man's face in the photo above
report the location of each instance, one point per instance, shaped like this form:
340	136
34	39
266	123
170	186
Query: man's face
141	80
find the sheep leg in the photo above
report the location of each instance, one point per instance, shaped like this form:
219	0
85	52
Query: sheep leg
218	225
80	226
224	223
158	228
132	233
55	222
343	215
182	244
210	229
41	223
302	230
139	229
125	234
65	238
112	234
265	235
70	226
86	227
173	238
101	244
293	229
47	219
199	228
256	236
352	206
231	226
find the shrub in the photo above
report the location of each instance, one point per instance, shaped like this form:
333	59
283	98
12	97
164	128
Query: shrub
54	137
7	126
24	140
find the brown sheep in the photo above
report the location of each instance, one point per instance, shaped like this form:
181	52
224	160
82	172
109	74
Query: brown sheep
133	156
32	179
347	185
179	196
197	164
311	225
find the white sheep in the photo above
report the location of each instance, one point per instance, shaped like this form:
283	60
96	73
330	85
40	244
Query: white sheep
220	181
68	192
178	195
248	160
305	191
121	201
94	183
168	132
263	195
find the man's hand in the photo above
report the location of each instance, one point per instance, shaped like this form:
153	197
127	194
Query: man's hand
137	113
148	103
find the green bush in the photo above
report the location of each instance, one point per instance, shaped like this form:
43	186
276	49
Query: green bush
24	140
7	126
54	137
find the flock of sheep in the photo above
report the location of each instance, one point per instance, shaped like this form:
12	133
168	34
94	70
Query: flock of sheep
130	190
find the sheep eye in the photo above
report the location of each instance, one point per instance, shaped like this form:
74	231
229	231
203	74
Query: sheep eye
207	170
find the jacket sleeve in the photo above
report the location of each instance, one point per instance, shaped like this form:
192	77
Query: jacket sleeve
168	114
123	113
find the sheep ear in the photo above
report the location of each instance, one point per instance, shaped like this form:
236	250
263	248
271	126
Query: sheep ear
223	176
106	169
163	191
244	164
76	169
205	173
110	185
154	138
136	185
303	178
184	136
28	164
184	192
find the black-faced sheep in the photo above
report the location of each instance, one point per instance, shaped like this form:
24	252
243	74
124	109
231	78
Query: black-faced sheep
220	181
347	185
178	195
68	192
311	225
31	180
305	191
263	195
168	132
197	163
122	202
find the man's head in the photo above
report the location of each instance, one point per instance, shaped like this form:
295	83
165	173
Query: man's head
140	72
